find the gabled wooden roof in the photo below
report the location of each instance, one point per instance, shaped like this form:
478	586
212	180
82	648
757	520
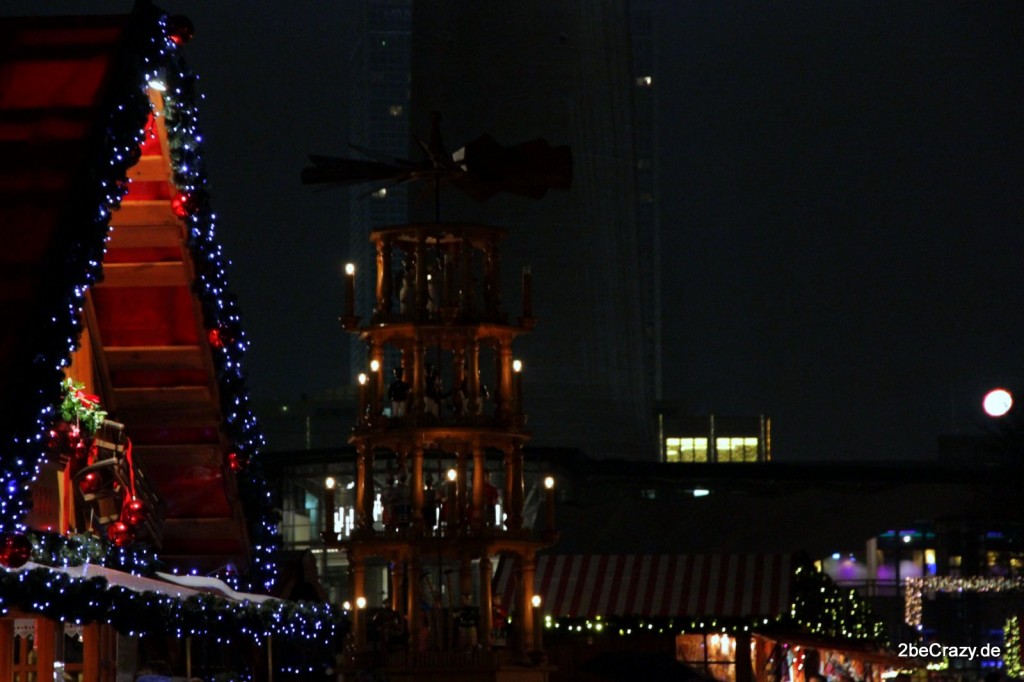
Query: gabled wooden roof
162	330
53	79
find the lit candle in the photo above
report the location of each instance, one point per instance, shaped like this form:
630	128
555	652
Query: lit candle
328	533
362	397
375	388
350	290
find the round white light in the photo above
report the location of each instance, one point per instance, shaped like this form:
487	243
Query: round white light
350	268
997	402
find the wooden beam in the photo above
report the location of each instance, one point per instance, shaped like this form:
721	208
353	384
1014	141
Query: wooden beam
149	168
145	236
143	275
155	456
144	212
154	357
162	397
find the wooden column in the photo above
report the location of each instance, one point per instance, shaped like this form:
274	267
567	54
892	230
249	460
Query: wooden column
461	483
417	487
507	462
504	372
417	379
459	375
383	277
527	570
91	651
450	256
465	580
473	380
517	485
476	515
377	379
486	602
413	581
358	590
364	488
395	585
421	278
468	302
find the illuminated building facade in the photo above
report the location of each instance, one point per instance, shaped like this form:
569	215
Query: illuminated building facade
716	438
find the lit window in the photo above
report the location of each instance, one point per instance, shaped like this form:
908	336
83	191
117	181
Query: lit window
672	449
644	82
686	449
395	110
736	449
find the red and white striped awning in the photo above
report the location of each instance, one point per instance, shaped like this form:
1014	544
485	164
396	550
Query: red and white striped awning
656	585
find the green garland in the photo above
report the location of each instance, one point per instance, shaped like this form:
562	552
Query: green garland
76	549
316	630
78	407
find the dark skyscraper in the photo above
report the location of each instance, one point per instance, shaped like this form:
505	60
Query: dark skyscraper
646	83
380	123
561	71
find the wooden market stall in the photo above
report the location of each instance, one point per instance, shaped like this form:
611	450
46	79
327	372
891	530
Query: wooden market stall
125	417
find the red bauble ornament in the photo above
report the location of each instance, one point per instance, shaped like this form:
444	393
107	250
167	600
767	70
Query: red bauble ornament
236	462
134	512
180	29
90	483
183	204
120	533
15	550
58	433
215	338
79	446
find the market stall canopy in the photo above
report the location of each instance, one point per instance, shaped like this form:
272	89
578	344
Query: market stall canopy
657	585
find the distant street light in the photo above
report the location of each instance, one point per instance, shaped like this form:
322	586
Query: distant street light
997	402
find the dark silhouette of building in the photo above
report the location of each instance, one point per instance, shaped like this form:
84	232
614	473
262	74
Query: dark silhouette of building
561	71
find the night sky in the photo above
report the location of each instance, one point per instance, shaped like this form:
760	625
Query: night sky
842	205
